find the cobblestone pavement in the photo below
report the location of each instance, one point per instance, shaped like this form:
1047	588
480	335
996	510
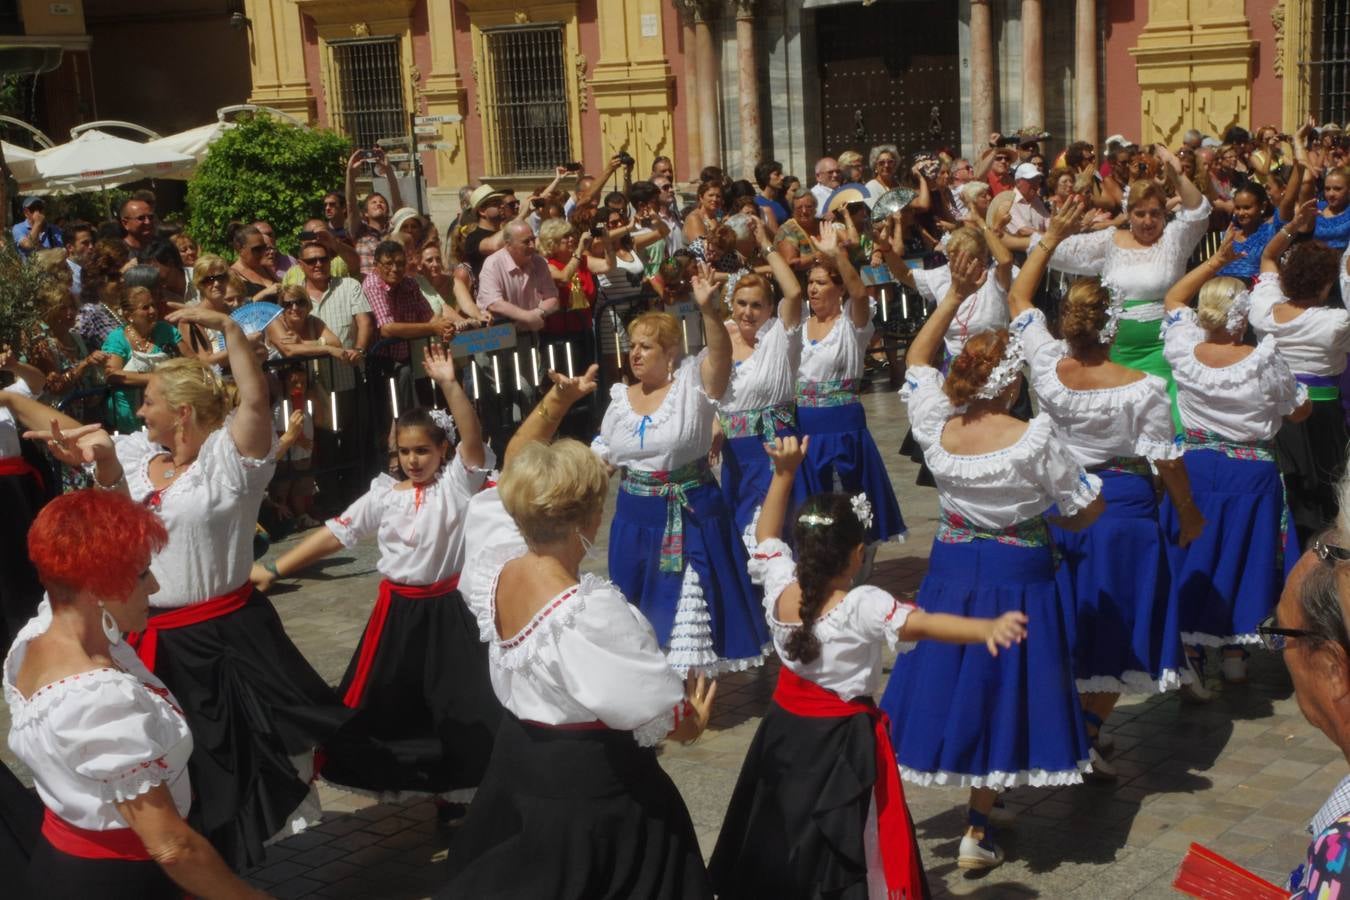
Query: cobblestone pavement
1241	775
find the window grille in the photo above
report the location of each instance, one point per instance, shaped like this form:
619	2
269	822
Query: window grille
527	107
367	90
1330	62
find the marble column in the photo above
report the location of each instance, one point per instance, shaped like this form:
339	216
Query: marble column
1033	65
706	84
981	71
752	150
1085	72
693	147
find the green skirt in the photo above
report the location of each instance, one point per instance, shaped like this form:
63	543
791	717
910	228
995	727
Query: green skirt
1139	345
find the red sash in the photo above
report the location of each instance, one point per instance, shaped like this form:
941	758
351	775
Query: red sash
147	642
904	877
115	843
17	465
370	641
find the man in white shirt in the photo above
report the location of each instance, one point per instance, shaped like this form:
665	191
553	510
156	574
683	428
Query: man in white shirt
827	179
1029	213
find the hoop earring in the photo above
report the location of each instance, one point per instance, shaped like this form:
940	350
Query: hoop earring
110	629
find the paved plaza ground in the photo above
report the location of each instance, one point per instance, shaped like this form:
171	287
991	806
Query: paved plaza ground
1241	775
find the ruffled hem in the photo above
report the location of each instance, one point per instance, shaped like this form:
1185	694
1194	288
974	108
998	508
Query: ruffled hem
459	795
1155	451
686	378
26	711
139	782
652	733
725	666
1209	640
998	781
1135	683
691	639
1088	489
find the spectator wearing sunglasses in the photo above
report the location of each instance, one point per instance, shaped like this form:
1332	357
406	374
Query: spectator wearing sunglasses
342	256
251	247
297	332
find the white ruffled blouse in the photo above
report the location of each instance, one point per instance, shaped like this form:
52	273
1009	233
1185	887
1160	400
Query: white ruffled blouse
679	432
420	530
9	428
98	738
984	310
768	376
851	634
840	353
999	489
211	513
1315	342
1096	425
588	655
1246	401
1135	274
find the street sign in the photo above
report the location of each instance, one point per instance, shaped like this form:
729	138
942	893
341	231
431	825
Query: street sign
398	157
392	142
419	128
434	145
437	120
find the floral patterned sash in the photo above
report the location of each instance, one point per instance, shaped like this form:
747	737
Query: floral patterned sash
764	421
836	392
954	529
674	486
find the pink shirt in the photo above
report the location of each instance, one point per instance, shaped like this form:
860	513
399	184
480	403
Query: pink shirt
525	287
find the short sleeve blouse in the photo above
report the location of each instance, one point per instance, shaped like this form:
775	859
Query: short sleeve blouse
999	489
1246	401
420	530
840	353
1096	425
768	376
210	511
851	634
1315	342
98	738
677	433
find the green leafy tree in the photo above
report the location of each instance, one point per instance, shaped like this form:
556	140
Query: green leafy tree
264	169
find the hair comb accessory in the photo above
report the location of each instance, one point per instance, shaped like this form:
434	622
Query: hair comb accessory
862	508
1107	334
1005	373
815	519
445	422
1237	312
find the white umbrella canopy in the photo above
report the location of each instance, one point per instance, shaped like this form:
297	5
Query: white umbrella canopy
97	160
194	143
21	161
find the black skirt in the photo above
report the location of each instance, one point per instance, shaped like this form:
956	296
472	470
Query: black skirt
20	821
795	824
21	498
575	814
1312	457
54	873
426	713
253	703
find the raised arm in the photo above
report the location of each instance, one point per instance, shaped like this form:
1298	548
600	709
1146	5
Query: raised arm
440	367
716	372
890	238
1062	224
1302	221
787	454
251	427
790	307
543	422
1008	629
66	439
998	251
354	163
1191	198
968	274
859	310
1179	295
1289	200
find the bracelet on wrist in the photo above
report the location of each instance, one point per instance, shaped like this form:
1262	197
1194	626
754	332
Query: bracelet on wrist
114	484
271	566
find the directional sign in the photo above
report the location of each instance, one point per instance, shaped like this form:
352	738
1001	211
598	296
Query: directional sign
398	157
434	145
419	128
393	142
438	120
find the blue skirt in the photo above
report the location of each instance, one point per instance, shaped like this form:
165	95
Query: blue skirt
842	449
1230	577
960	717
746	473
1115	582
707	617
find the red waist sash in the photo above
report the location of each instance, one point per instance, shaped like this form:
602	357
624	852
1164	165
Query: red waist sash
904	877
370	641
147	642
17	465
116	843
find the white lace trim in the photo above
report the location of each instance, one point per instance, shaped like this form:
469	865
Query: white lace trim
999	781
1209	640
687	377
1134	682
140	780
654	732
1155	450
726	666
1087	489
28	711
691	643
522	649
1034	442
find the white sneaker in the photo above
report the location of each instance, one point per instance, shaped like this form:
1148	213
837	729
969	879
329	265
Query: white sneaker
1234	669
1100	770
975	854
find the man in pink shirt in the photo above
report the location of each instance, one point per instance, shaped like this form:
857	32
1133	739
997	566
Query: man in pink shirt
515	282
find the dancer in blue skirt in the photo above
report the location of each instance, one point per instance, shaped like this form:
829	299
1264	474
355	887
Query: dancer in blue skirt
960	717
1233	399
843	456
673	547
1117	422
759	402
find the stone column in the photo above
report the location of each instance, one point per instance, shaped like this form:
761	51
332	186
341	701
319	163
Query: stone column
752	150
1085	72
693	146
1033	65
706	84
981	72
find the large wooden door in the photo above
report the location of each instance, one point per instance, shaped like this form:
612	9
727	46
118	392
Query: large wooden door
889	75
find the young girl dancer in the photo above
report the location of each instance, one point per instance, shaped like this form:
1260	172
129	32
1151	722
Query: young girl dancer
818	808
425	712
990	723
1117	422
1233	399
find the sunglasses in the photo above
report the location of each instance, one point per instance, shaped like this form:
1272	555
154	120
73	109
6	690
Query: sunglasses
1330	552
315	260
1275	638
218	278
257	249
294	304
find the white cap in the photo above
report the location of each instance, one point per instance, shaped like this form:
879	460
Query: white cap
1117	139
1028	171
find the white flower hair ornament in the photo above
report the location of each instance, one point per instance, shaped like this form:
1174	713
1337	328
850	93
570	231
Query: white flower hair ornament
1005	373
1107	334
445	422
862	508
1238	311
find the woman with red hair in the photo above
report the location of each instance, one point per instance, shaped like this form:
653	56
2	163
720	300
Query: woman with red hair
107	743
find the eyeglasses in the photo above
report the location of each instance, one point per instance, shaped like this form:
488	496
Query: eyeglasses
218	278
1330	552
315	260
1275	638
294	304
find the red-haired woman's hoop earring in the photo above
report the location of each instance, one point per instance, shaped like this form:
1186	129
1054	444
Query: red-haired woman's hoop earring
110	629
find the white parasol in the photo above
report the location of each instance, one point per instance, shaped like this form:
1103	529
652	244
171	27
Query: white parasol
97	160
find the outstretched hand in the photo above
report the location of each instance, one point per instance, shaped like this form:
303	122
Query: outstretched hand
1067	221
570	390
968	273
1227	250
705	287
1008	629
86	444
828	242
1305	217
440	365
